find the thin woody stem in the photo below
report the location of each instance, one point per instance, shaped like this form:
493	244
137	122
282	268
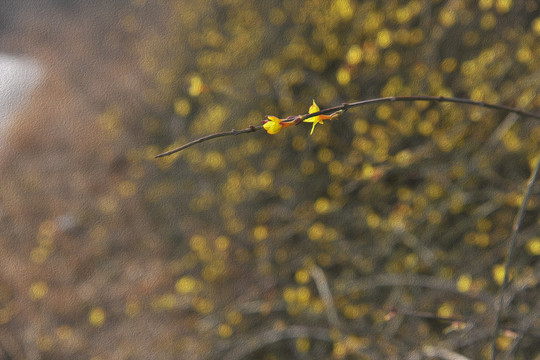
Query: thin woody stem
209	137
345	106
511	248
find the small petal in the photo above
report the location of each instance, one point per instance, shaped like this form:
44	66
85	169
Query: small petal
273	125
315	119
313	108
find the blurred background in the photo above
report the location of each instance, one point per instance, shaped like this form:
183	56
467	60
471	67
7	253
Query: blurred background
347	244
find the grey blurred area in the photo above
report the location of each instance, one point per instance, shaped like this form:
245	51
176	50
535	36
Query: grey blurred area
19	76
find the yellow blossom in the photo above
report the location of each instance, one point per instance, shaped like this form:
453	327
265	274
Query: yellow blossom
273	125
319	118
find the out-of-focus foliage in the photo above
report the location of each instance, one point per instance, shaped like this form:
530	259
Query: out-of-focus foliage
215	253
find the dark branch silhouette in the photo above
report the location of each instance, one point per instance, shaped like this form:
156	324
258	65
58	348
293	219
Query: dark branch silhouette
345	106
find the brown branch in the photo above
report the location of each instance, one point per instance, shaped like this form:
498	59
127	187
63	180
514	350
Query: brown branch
210	137
345	106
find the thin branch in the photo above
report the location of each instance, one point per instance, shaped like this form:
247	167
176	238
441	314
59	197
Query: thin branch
345	106
425	315
438	352
413	280
324	290
512	246
210	137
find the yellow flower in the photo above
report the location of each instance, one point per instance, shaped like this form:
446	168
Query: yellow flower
317	119
273	125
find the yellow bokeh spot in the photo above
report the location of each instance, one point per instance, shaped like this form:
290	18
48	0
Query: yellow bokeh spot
44	343
316	231
39	254
222	243
344	9
303	345
481	239
384	38
164	302
447	17
361	126
373	220
96	317
464	283
434	191
109	121
484	225
343	76
322	205
196	86
38	290
488	22
383	112
498	274
354	55
215	160
511	142
182	107
533	246
535	25
225	331
302	276
260	233
198	243
107	204
446	310
325	155
203	306
411	260
503	342
187	285
485	4
448	65
524	55
503	6
289	295
127	189
234	317
303	294
340	350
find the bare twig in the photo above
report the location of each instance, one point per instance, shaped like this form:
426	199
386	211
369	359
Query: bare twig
210	137
414	280
345	106
511	247
326	295
433	351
